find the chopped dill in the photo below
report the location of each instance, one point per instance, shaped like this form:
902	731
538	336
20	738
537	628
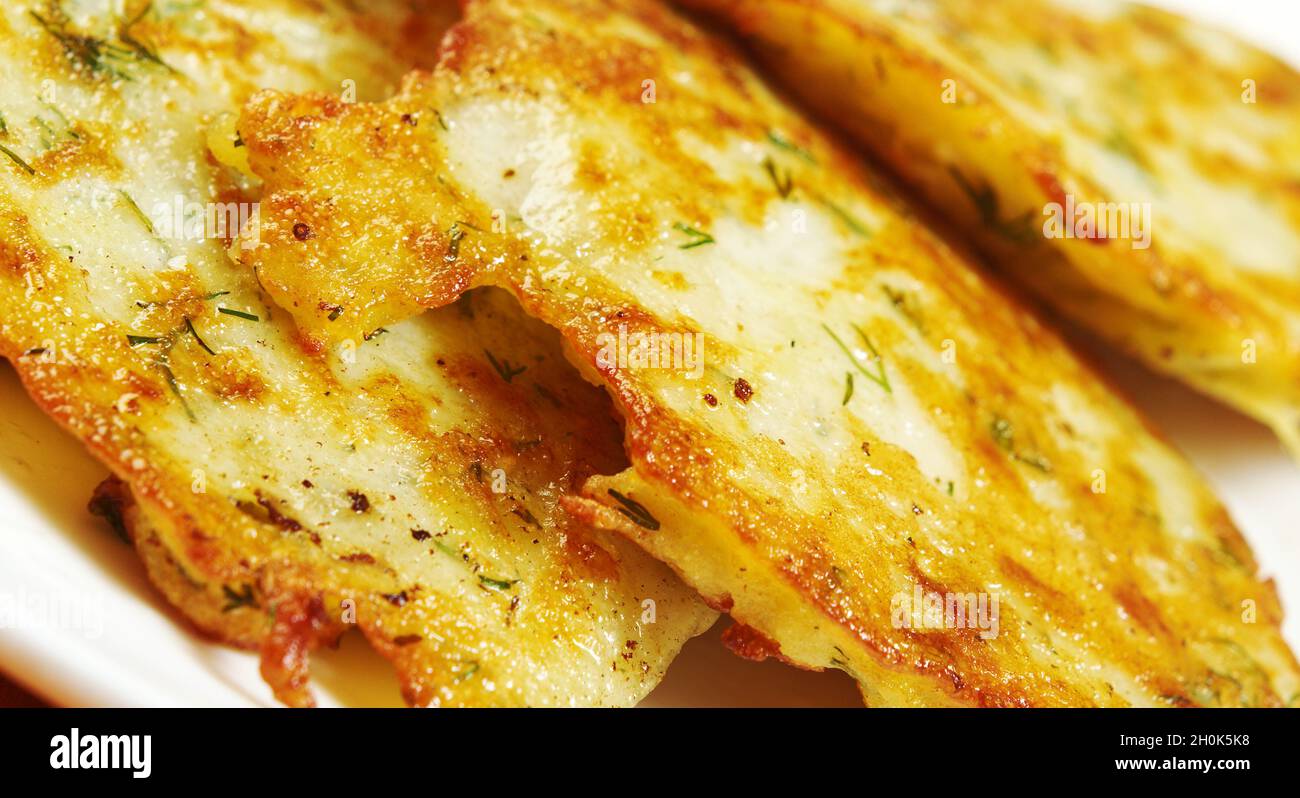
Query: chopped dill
239	314
469	671
84	52
498	584
13	156
241	598
905	304
1004	435
985	200
142	51
848	388
783	182
847	219
189	326
455	235
96	55
139	214
503	368
879	378
786	144
698	238
635	511
175	388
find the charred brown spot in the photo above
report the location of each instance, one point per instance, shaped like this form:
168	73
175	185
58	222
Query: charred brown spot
744	391
723	603
301	624
278	518
748	643
302	231
420	534
710	400
110	498
396	599
360	503
233	381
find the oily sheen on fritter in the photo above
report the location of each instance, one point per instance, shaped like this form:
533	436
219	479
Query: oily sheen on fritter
407	482
873	425
1138	171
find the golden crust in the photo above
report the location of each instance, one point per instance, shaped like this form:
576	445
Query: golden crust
406	482
871	416
994	111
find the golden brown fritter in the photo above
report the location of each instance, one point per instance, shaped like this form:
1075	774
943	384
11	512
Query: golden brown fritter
408	482
1139	172
873	425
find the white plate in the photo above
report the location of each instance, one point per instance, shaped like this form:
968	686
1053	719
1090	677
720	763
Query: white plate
80	625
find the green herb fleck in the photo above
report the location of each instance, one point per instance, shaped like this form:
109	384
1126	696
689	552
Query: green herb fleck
143	52
698	238
879	378
848	388
635	511
847	219
985	200
13	156
99	56
503	368
782	181
1120	143
498	584
84	52
139	214
455	234
239	314
242	598
1004	435
469	671
786	144
905	304
141	340
189	325
176	389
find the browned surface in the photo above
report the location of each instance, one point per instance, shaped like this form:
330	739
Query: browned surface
1131	595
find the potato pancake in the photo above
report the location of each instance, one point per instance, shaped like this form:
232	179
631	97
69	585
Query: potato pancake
1139	172
836	425
408	483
